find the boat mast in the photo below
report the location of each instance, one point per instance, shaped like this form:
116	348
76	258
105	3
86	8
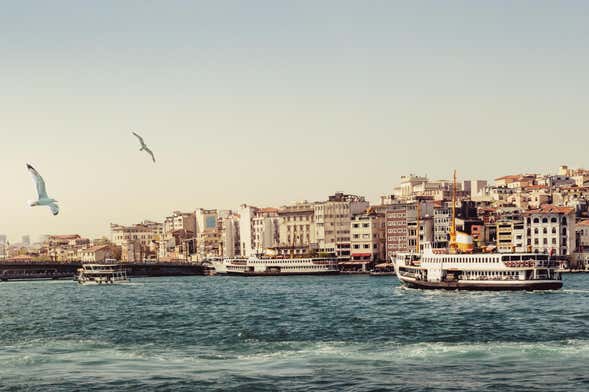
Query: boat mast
453	245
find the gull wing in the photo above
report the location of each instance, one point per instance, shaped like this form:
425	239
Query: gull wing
39	182
140	139
147	150
54	208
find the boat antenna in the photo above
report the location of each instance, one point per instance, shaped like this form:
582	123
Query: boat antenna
453	245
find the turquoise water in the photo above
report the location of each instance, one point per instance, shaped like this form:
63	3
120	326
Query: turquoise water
339	333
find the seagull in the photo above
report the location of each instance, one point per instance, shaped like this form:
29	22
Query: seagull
43	200
144	146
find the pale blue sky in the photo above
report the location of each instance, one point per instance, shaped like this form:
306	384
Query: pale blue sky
266	102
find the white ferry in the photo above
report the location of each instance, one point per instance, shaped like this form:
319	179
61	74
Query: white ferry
496	271
259	266
98	274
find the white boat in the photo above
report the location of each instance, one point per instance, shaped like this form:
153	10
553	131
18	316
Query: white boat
483	271
102	274
259	266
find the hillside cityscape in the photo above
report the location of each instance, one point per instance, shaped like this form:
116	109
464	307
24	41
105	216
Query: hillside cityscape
540	213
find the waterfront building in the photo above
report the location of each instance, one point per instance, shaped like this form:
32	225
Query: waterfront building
208	233
98	253
296	229
138	241
551	228
368	237
178	240
402	233
332	223
230	241
510	235
442	223
64	247
258	230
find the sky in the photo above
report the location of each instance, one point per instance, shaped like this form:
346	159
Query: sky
267	102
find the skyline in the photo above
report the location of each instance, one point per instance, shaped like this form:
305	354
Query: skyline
280	102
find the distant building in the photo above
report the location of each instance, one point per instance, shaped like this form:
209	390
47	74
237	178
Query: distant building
230	241
208	233
551	228
98	253
402	233
332	223
296	229
139	241
258	230
368	237
26	240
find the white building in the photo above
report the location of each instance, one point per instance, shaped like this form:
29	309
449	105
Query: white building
258	230
551	229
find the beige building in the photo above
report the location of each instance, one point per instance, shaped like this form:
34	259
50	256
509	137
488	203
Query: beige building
511	236
179	236
229	241
296	229
139	241
367	241
98	253
332	223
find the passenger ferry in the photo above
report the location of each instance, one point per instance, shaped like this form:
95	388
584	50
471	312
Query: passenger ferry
260	266
460	269
98	274
513	271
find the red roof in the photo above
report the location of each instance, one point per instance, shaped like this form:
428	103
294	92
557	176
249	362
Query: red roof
551	209
510	177
95	248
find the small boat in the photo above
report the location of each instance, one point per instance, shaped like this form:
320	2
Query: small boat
383	269
102	274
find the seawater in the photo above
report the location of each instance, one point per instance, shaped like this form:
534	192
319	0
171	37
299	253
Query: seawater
337	333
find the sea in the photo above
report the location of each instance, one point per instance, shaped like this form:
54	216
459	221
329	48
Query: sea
331	333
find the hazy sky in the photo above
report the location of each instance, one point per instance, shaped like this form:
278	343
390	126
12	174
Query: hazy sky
266	102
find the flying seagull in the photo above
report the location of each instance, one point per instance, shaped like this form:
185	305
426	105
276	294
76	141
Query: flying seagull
144	146
43	199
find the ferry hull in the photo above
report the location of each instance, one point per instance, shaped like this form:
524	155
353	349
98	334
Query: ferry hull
249	273
485	285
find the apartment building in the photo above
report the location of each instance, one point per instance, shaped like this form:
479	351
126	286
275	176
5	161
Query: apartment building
551	228
297	229
367	233
332	223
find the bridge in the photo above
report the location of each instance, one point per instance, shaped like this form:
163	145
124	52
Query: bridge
34	270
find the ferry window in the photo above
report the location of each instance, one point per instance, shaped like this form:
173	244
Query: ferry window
545	231
544	220
564	231
564	220
554	230
553	220
536	220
